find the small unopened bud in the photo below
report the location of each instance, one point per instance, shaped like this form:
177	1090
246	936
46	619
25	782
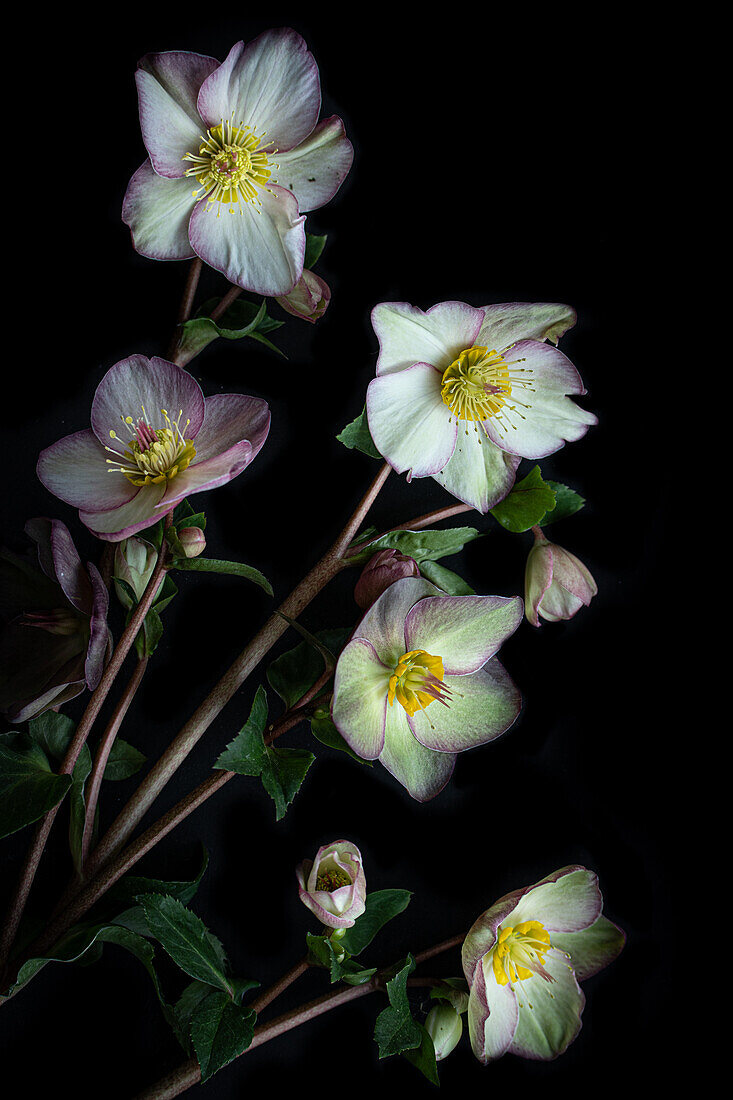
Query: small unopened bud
192	540
445	1027
379	573
556	583
308	299
134	563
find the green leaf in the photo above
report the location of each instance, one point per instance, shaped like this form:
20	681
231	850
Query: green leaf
124	760
53	732
131	886
422	546
447	580
283	775
321	953
395	1030
530	499
567	503
241	319
187	940
423	1057
246	753
77	803
381	906
324	731
314	246
295	672
356	436
230	568
220	1032
28	787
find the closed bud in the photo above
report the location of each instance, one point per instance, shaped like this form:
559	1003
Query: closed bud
134	563
379	573
556	583
445	1027
192	540
308	299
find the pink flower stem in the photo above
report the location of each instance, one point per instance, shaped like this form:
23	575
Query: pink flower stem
223	306
94	705
184	310
189	1073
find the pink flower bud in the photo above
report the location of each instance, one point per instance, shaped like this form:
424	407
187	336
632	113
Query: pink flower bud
556	583
379	573
333	886
192	540
308	299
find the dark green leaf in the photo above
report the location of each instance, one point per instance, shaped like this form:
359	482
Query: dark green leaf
28	787
324	731
283	775
422	546
246	753
220	1031
321	953
423	1057
381	907
527	503
186	939
356	436
77	803
124	760
53	732
230	568
567	503
450	582
295	672
131	886
313	248
395	1030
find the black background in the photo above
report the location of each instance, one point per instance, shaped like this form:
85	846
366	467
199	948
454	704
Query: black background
497	159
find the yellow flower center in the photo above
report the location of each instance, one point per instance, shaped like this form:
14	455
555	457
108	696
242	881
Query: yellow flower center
417	681
152	455
332	880
520	952
479	385
231	164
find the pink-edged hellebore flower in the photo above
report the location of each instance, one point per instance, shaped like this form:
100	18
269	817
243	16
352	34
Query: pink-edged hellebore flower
333	885
236	158
308	299
523	959
463	394
54	640
154	440
556	583
382	570
419	682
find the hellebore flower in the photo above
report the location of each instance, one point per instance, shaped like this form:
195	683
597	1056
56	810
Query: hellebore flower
308	299
556	583
414	648
386	567
463	394
333	886
54	641
523	959
139	460
236	158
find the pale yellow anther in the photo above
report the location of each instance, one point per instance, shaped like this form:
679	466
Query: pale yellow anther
231	165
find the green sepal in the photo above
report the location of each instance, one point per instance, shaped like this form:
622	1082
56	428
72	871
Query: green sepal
527	503
421	546
567	503
220	1031
381	906
395	1030
229	568
356	436
423	1057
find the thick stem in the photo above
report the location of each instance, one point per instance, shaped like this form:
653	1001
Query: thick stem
280	986
231	295
184	310
94	705
103	750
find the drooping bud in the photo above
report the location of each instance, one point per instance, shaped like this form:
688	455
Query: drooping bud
333	885
193	541
386	567
556	583
445	1027
135	560
308	299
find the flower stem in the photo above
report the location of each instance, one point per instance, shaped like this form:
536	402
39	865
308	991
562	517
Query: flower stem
184	310
230	296
94	705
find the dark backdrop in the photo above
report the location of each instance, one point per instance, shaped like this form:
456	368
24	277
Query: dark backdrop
497	159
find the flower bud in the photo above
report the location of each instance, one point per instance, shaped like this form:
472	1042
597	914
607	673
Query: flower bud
134	563
379	573
308	299
556	583
333	885
192	540
445	1027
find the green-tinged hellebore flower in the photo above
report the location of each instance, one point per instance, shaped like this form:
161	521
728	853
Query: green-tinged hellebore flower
54	639
556	583
419	681
380	572
524	958
333	885
308	299
445	1027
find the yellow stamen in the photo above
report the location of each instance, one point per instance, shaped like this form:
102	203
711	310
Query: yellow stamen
520	952
231	165
153	455
417	681
479	385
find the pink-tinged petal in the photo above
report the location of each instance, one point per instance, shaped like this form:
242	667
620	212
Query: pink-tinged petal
407	335
258	248
230	418
508	322
543	418
360	698
547	1029
138	383
60	561
168	86
478	472
136	515
421	772
384	623
493	1015
465	631
566	901
592	948
410	425
55	697
308	299
217	470
158	211
99	634
482	706
484	931
271	83
537	578
316	168
75	470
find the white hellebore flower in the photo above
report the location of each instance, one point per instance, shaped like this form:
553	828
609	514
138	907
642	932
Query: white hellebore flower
463	394
236	158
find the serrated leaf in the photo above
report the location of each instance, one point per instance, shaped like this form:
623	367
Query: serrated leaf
128	888
422	546
447	580
530	499
283	775
356	436
423	1057
28	787
187	940
567	503
124	760
381	906
220	1031
395	1030
229	568
246	753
